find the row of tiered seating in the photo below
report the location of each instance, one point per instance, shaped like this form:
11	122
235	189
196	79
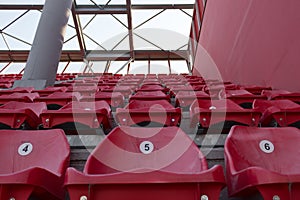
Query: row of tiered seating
150	163
158	158
7	80
155	99
129	163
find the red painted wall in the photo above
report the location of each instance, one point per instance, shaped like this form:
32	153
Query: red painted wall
251	42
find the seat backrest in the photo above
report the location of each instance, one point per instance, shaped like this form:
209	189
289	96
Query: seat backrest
240	92
195	94
88	106
221	105
150	94
151	87
23	89
22	150
154	104
283	104
68	95
274	149
274	93
29	97
137	149
37	108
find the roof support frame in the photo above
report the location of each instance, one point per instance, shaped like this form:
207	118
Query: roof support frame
106	9
129	61
129	20
11	55
5	67
78	29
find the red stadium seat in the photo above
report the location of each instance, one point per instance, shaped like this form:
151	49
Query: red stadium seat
49	90
186	98
56	100
33	164
17	89
129	83
207	113
215	85
282	94
149	88
6	85
139	112
242	97
20	97
177	88
168	83
147	96
114	99
91	114
125	90
263	160
84	90
136	81
278	112
15	114
255	89
6	82
146	163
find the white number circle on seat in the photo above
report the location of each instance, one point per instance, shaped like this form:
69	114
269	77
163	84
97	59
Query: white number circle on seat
266	146
25	149
146	147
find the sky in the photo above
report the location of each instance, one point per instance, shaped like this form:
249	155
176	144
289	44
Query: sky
169	30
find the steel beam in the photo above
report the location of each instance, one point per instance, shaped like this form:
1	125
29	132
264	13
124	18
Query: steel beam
21	56
79	31
130	35
5	67
108	9
162	6
127	63
92	9
119	55
100	55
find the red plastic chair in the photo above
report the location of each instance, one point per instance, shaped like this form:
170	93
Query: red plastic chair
114	99
278	112
125	90
50	90
174	89
264	160
84	90
170	84
17	90
152	95
33	164
57	100
255	89
150	88
207	113
20	97
146	163
159	111
242	97
186	98
91	114
14	114
213	88
282	94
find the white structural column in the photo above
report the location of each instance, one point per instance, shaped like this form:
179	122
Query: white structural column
41	67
